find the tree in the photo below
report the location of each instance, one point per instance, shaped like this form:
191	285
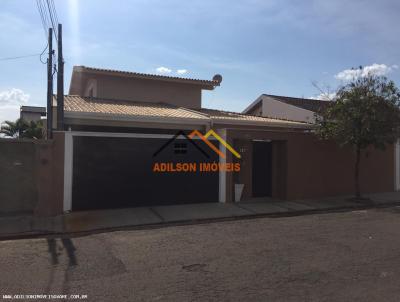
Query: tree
34	130
364	113
22	129
13	129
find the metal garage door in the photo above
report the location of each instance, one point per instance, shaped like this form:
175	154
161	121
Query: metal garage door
115	172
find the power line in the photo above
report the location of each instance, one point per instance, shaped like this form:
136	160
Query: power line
55	13
52	19
20	57
43	16
40	57
48	15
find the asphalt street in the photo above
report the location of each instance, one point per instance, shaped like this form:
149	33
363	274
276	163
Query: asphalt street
352	256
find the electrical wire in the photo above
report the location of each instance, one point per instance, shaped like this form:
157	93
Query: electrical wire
48	15
52	20
55	13
20	57
43	16
40	57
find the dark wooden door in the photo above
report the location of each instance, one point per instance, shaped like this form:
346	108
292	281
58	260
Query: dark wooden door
262	169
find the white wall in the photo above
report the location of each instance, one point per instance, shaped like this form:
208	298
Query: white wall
277	109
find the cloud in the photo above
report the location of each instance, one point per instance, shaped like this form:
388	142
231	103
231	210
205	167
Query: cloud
181	71
324	96
163	69
8	113
374	69
13	96
10	101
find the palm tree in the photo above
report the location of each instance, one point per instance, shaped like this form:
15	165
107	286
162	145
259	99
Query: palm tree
34	130
22	129
13	129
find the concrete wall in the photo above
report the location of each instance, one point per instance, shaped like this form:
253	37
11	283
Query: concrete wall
321	168
306	167
50	175
31	173
18	191
31	116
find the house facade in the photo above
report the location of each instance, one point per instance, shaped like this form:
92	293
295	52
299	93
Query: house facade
32	113
133	139
283	107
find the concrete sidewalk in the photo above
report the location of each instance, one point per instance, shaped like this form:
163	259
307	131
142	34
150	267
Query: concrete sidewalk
162	215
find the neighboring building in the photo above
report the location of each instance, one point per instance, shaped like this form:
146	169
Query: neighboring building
295	109
115	122
32	113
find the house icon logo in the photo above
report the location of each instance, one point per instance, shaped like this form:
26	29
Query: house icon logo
181	148
209	163
211	132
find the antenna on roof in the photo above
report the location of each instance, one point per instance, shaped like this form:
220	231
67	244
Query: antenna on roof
217	78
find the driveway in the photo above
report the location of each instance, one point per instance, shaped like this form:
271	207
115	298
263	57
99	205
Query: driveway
352	256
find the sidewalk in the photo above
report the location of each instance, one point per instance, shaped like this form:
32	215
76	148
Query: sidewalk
100	220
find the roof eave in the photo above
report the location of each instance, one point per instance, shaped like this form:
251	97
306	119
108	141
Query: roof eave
252	105
134	118
180	120
204	84
262	123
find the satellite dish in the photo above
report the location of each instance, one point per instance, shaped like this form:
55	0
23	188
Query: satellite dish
217	78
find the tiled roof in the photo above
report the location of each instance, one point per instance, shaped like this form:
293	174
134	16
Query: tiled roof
73	103
228	115
145	110
308	104
147	76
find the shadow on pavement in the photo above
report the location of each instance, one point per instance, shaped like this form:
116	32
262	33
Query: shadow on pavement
69	247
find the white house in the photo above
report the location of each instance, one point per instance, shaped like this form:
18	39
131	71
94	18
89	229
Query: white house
288	108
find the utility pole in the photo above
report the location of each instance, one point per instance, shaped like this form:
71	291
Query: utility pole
60	83
50	86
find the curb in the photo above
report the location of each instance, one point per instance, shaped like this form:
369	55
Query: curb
51	234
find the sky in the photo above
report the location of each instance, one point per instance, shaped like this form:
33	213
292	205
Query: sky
276	47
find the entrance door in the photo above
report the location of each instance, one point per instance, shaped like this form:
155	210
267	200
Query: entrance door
262	169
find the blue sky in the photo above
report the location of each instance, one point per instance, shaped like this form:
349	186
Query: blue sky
258	46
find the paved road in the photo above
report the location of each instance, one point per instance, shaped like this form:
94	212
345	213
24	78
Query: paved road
352	256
